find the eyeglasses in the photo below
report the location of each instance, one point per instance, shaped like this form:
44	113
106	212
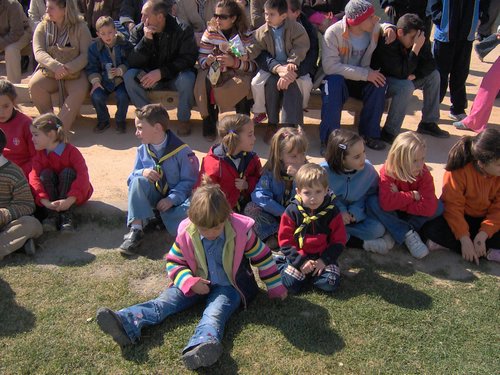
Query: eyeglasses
222	16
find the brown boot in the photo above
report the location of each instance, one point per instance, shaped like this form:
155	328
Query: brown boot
184	128
271	129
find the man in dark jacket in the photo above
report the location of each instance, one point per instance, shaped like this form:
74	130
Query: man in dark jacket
408	65
397	8
163	59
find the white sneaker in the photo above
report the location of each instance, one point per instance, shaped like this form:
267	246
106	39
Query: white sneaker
457	117
415	245
389	240
378	246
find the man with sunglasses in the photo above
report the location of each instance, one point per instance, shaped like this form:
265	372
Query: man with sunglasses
163	59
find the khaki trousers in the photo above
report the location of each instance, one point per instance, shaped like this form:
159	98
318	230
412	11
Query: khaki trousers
13	57
17	232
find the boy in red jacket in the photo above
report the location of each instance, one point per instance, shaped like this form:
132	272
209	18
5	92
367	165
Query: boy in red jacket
312	234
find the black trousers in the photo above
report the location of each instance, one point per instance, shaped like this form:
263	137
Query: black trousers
440	232
453	61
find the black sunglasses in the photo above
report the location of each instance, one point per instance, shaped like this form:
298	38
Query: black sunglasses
222	16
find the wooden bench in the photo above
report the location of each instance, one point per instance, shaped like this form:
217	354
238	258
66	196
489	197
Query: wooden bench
170	100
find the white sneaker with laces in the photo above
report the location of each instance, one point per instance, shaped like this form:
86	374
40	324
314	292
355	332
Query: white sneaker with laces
415	245
377	245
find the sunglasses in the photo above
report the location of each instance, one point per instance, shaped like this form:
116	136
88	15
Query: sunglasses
222	16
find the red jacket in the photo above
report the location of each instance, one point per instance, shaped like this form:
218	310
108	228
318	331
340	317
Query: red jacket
222	171
19	148
71	157
402	200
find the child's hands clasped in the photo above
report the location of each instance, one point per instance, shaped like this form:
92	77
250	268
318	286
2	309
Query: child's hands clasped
314	266
241	183
59	205
201	287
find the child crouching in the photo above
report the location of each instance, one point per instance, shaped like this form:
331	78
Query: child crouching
312	234
210	262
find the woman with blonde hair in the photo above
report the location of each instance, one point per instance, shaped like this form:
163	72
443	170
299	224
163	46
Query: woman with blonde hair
60	45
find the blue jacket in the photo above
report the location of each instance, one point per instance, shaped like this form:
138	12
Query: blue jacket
180	169
454	20
352	189
269	192
99	56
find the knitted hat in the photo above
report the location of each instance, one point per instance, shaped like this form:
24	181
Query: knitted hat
356	11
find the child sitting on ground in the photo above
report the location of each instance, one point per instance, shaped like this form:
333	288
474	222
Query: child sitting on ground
209	262
16	126
406	198
17	226
163	177
276	188
232	164
471	195
353	179
59	178
312	234
106	66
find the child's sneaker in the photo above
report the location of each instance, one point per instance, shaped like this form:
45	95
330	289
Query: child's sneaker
389	240
377	245
50	223
259	117
203	355
132	240
111	324
415	245
66	225
493	255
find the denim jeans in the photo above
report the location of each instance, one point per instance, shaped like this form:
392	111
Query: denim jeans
183	84
99	98
486	45
221	303
401	92
143	196
266	224
335	90
368	229
294	280
398	223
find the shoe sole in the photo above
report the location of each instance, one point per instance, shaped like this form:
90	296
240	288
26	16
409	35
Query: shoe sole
421	131
203	355
109	323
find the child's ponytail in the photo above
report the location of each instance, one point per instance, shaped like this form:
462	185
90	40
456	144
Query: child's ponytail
485	148
50	122
229	128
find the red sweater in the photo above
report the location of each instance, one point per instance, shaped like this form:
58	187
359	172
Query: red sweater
19	148
402	200
223	172
71	157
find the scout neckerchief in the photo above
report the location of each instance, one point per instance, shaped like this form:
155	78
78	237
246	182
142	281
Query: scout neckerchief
242	166
161	185
287	194
307	219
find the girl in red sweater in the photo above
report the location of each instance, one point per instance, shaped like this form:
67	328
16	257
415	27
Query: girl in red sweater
471	195
232	164
16	126
406	198
59	178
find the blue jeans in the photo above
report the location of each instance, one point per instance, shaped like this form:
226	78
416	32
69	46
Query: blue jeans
368	229
294	280
183	84
398	223
221	303
487	45
99	98
401	92
266	224
143	196
334	93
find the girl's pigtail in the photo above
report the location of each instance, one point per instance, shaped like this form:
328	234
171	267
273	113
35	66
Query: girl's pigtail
460	154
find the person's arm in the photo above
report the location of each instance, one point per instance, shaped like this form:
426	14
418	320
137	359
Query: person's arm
454	188
262	258
84	40
300	44
253	174
37	188
336	241
178	270
390	198
309	64
427	203
21	203
491	223
93	68
81	188
288	245
15	19
186	55
263	196
435	10
139	167
188	165
143	50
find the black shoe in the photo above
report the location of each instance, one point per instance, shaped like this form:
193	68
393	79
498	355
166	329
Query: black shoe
30	247
387	137
66	223
121	127
431	128
132	241
203	355
111	324
50	223
25	62
374	143
101	127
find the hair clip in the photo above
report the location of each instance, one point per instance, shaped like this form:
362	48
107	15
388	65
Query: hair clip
58	126
50	122
231	131
286	134
342	146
